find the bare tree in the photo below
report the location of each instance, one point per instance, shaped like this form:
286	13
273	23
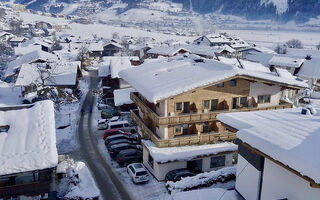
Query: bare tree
281	49
83	55
318	46
294	43
15	27
56	43
115	35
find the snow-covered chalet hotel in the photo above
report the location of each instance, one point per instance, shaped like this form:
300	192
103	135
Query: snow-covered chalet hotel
179	98
28	153
278	155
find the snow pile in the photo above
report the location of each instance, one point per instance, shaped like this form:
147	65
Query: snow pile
30	142
182	74
203	180
207	194
163	155
285	135
79	183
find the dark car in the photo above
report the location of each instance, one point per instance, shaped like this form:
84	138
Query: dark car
115	149
120	141
129	156
116	131
120	136
109	113
178	174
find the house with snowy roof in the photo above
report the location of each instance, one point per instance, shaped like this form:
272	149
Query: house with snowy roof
277	154
178	100
95	50
35	44
109	70
166	51
36	56
61	75
255	49
291	64
28	152
14	42
110	48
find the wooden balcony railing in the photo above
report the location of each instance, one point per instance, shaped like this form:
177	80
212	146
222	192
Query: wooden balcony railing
35	188
203	138
196	117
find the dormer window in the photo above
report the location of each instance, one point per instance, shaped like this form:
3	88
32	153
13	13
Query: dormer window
4	129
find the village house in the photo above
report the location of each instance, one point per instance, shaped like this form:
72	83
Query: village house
62	75
255	49
34	44
178	99
14	42
166	51
95	50
111	48
14	66
29	154
291	64
311	71
276	154
109	70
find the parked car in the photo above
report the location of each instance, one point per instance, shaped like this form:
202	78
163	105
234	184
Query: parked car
178	174
103	123
120	136
123	125
138	172
120	141
114	132
128	156
109	113
115	149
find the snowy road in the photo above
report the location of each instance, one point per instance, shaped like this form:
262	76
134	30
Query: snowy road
109	184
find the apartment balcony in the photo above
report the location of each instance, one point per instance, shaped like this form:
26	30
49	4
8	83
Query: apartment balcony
35	188
193	117
203	138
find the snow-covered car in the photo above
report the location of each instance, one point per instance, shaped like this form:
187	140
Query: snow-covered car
123	125
178	174
120	136
138	172
103	123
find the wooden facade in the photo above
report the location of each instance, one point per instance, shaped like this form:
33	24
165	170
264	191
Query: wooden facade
190	117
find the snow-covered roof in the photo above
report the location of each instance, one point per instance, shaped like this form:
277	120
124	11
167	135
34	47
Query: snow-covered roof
167	50
30	143
104	69
95	46
283	73
29	58
117	63
37	41
286	61
122	96
285	135
310	68
247	65
63	73
171	154
18	39
170	77
259	49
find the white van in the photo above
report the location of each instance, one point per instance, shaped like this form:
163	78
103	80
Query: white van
123	125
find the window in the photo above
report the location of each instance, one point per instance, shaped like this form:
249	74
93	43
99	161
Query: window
214	104
179	106
132	169
206	104
220	85
243	101
150	161
158	105
4	129
177	129
186	107
185	129
116	126
218	161
264	99
233	82
205	127
25	178
235	103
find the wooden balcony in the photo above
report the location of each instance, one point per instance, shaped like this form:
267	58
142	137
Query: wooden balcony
196	117
35	188
180	140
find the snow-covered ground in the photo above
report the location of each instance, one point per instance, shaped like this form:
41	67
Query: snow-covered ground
67	119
